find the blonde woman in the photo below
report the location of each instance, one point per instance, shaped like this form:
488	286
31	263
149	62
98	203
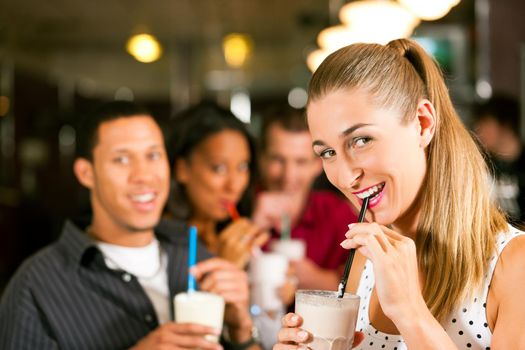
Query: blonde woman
440	268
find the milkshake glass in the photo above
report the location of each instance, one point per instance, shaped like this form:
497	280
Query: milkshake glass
202	308
267	272
331	320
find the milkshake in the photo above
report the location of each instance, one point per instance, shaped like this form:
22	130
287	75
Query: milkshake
292	249
330	319
202	308
267	273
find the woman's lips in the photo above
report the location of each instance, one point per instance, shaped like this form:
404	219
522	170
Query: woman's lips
375	194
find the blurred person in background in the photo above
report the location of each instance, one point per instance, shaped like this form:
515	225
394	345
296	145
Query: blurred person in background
497	125
288	168
213	159
212	155
109	283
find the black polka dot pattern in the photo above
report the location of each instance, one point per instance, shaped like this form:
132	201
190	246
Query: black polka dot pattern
467	326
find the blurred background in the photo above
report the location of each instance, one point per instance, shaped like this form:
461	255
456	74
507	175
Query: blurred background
58	58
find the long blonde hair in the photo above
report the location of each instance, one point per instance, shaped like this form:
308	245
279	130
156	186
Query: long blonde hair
457	229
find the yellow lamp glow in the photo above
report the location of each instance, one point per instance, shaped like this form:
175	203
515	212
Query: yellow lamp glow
237	49
429	10
378	20
144	47
315	58
333	38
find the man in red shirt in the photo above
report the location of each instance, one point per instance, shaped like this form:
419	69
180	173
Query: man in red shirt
319	217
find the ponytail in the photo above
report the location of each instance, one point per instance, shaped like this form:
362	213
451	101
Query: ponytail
458	222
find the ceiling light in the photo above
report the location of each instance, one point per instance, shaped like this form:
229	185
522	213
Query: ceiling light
144	47
429	10
315	58
237	49
378	20
297	97
240	105
333	38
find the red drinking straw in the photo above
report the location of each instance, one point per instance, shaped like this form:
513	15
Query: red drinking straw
234	214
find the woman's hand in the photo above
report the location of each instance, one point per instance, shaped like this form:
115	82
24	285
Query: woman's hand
238	239
395	268
291	337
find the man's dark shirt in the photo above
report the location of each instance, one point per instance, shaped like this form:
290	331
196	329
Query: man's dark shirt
66	297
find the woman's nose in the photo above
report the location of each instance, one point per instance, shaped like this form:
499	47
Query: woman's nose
348	175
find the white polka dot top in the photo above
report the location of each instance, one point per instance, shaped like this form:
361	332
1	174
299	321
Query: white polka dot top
467	327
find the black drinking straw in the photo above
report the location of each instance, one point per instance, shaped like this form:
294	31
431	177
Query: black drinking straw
344	280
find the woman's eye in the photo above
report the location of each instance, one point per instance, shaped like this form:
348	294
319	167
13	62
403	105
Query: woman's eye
327	154
244	166
361	141
219	168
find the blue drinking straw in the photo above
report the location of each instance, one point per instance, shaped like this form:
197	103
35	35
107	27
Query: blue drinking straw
192	257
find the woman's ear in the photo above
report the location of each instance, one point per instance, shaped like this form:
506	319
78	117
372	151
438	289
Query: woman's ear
426	116
180	170
83	170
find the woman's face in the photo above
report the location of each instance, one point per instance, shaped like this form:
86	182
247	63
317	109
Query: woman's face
216	174
367	151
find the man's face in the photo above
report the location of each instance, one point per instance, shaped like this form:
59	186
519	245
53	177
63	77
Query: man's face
288	162
129	175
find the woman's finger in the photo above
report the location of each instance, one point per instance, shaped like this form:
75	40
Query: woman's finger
291	320
386	241
358	338
235	231
294	335
367	244
260	239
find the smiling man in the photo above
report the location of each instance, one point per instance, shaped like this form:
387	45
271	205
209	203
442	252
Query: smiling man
110	283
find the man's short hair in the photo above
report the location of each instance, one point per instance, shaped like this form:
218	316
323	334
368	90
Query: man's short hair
87	131
287	117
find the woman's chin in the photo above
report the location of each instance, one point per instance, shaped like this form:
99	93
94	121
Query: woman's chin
381	219
220	216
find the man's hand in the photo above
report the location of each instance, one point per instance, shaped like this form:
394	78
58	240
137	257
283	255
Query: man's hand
287	291
221	277
178	336
270	207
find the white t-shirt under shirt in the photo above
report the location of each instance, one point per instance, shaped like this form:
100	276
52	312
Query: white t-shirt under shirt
148	264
